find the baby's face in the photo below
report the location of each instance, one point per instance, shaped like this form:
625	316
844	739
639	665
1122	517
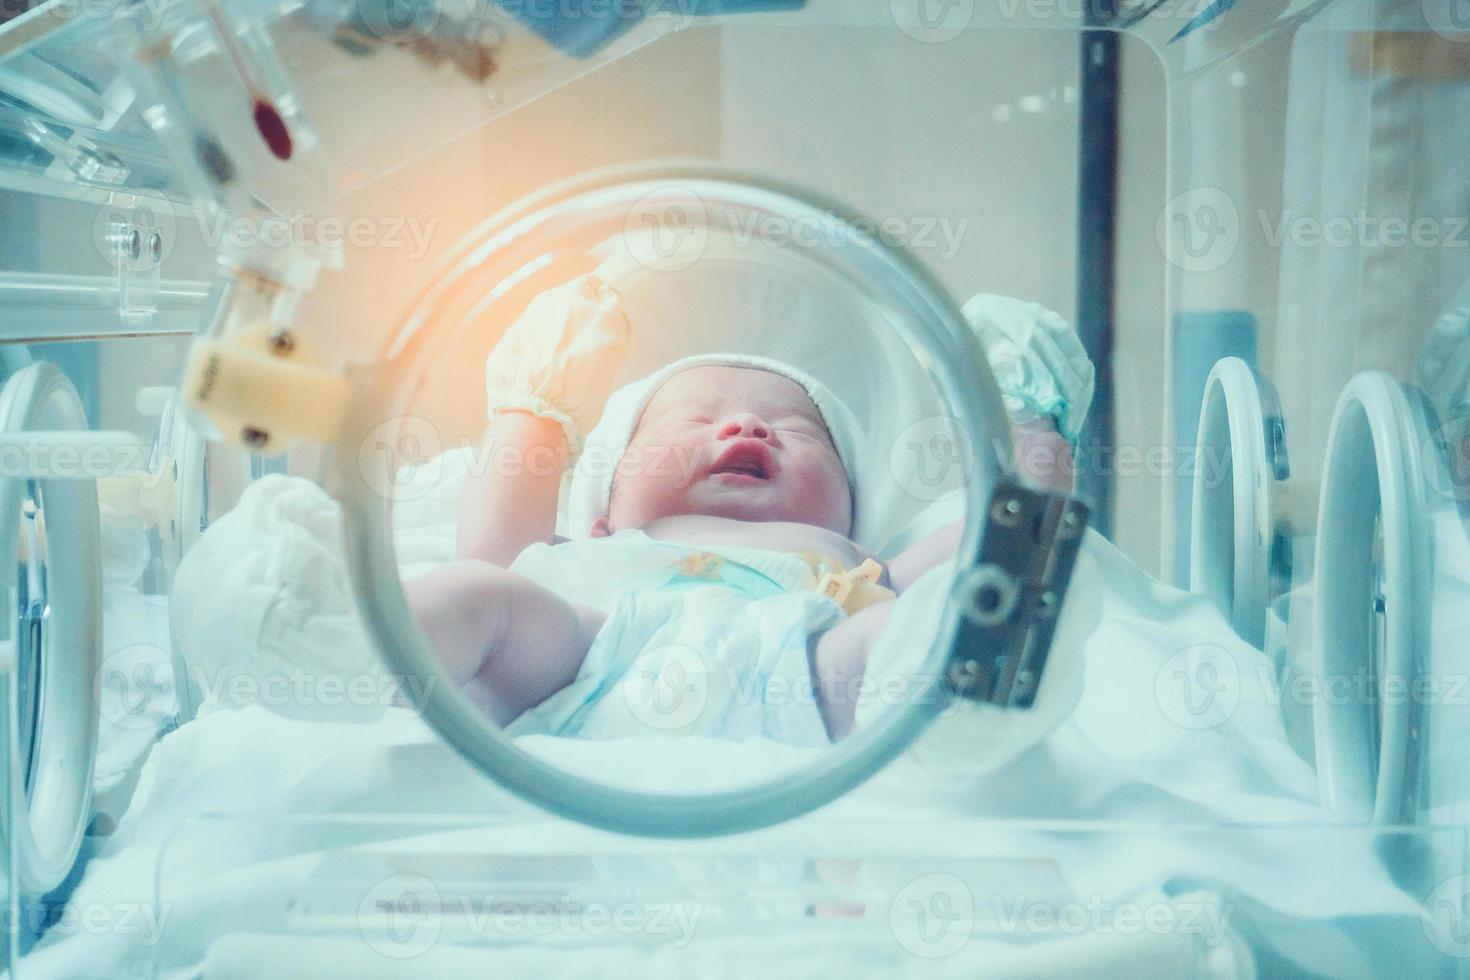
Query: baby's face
731	442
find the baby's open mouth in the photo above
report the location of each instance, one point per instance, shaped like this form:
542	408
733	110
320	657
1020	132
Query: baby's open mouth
747	458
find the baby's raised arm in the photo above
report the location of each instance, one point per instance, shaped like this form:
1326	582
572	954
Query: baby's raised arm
548	380
512	504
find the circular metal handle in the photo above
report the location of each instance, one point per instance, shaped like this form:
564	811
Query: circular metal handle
50	780
552	226
1373	594
1240	455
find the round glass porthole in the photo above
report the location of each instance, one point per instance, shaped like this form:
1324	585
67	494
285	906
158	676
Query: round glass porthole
1373	592
772	305
50	539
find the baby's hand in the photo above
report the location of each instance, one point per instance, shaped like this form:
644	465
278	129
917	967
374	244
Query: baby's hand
1038	361
1043	457
558	361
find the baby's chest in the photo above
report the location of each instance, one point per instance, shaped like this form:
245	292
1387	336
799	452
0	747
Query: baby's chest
787	538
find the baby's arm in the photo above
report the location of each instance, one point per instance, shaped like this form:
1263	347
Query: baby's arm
508	641
839	657
924	554
546	382
1043	459
512	504
839	663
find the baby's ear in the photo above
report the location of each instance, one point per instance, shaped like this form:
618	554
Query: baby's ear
601	528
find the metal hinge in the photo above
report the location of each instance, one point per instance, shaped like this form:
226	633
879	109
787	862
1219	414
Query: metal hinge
1011	596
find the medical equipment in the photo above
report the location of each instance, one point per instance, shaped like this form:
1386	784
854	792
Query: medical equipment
48	804
257	173
876	286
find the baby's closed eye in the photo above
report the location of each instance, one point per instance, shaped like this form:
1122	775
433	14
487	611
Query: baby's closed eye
801	426
678	423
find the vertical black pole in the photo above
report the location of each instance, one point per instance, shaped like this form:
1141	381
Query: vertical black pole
1097	202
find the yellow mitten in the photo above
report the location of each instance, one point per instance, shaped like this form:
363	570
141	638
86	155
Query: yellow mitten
558	361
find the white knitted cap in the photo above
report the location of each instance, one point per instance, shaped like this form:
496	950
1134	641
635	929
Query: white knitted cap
592	480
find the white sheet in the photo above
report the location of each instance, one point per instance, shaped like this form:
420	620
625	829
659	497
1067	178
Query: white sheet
1137	955
1178	729
134	690
263	609
221	877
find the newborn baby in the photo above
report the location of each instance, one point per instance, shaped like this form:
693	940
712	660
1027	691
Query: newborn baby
737	471
718	589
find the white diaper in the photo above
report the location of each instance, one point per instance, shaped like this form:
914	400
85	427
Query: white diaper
697	642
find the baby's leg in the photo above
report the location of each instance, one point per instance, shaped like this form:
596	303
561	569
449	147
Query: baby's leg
510	642
839	662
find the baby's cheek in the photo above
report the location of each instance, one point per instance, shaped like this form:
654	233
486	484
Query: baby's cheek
636	499
826	496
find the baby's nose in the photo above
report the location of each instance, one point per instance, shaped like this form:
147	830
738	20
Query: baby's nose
744	426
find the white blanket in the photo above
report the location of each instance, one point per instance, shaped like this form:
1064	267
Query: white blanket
177	879
1176	737
264	614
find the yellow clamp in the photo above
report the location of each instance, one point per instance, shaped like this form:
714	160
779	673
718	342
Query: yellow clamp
262	386
857	589
150	498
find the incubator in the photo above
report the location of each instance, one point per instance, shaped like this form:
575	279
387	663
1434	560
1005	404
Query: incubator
1156	316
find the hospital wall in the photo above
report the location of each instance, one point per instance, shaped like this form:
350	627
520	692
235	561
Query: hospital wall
855	114
860	114
629	110
1316	145
1163	301
865	117
865	113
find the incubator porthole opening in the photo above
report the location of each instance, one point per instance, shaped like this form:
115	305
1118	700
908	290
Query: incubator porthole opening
1373	617
1239	459
50	527
907	325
